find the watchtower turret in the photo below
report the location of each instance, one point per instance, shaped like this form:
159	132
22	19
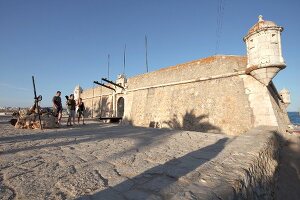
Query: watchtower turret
264	54
77	92
285	96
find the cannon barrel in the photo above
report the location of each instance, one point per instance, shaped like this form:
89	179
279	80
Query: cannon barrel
104	85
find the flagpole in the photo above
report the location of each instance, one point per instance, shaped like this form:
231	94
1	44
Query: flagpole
146	48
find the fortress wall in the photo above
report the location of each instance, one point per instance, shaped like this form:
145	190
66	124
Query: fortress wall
98	101
279	109
209	95
215	105
267	107
260	102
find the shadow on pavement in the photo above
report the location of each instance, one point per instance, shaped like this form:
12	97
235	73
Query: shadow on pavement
161	181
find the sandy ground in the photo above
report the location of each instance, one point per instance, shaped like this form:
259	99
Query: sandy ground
97	161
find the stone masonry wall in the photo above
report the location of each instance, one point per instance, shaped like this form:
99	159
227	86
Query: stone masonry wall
267	107
260	103
206	67
279	109
98	102
212	104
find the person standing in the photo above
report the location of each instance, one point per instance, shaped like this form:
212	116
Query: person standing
80	110
71	105
57	106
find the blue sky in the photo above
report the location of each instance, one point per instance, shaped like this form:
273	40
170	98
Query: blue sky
66	42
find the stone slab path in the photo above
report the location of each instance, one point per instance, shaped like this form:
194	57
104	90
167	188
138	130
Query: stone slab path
102	161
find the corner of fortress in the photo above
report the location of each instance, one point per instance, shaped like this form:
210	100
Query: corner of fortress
220	94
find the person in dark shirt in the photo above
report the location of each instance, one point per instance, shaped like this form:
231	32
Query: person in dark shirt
80	110
71	105
57	106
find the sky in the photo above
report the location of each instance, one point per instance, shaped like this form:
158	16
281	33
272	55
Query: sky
63	43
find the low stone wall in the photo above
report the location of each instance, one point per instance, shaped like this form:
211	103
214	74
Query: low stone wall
245	169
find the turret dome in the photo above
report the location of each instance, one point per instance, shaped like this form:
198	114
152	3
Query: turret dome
262	25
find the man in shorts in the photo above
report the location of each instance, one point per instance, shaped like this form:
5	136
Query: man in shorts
57	106
71	105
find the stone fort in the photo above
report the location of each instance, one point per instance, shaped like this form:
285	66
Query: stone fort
226	94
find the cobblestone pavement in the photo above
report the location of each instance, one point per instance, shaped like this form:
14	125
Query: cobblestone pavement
102	161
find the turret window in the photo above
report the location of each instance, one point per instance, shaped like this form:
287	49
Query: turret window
274	39
251	44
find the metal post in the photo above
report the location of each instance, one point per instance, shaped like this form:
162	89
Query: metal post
93	102
146	47
124	59
108	57
36	102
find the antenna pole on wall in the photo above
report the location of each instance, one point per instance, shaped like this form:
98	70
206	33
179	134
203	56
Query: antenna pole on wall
93	101
124	59
220	17
108	57
146	48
